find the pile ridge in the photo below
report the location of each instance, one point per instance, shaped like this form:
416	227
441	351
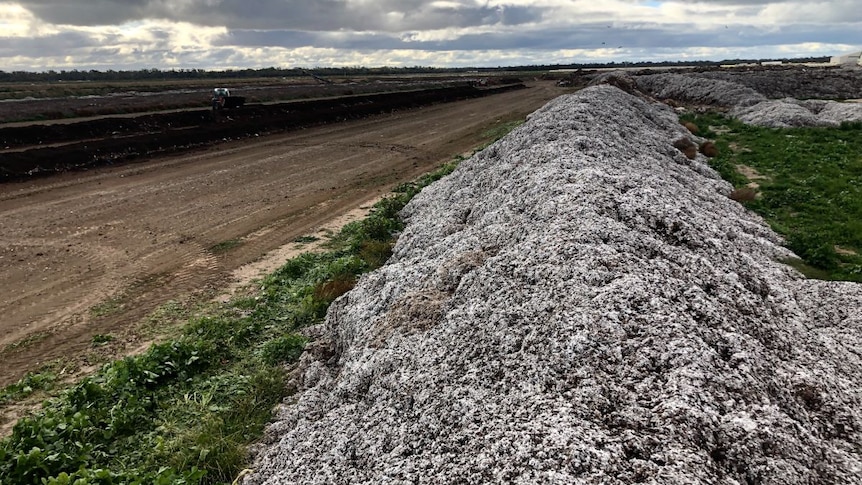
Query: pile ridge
580	303
745	103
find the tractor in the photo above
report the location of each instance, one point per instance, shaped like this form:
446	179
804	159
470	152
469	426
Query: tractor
222	99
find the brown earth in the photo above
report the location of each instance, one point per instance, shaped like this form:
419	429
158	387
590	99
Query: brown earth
93	253
41	149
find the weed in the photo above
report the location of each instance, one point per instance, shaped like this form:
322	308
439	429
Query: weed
108	307
225	246
305	239
812	194
101	339
501	130
30	339
375	253
27	385
282	349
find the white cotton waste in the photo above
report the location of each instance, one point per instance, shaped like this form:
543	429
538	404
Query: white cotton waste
697	90
746	104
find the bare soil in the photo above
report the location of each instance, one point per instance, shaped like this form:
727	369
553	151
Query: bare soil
40	149
93	253
64	101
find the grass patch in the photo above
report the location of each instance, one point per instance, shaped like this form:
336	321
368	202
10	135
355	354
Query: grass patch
101	339
184	411
306	239
224	246
27	385
110	306
810	192
500	130
30	339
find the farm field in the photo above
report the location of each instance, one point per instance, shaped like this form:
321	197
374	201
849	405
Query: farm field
66	101
88	254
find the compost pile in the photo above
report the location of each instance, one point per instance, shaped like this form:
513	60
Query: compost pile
795	82
751	106
580	303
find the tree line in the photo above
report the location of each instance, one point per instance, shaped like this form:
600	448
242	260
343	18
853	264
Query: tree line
181	74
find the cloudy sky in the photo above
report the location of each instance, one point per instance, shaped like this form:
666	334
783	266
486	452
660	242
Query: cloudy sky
40	35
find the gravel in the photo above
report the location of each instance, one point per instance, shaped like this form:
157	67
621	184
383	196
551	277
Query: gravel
580	303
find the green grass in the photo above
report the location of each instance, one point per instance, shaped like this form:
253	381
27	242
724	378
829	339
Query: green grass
30	339
108	307
184	411
306	239
26	386
811	192
101	339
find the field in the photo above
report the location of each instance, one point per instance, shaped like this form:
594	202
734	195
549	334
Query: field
804	182
25	102
36	149
88	255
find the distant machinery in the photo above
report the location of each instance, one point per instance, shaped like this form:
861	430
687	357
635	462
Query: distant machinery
222	99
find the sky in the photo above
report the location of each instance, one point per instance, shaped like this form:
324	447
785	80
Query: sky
42	35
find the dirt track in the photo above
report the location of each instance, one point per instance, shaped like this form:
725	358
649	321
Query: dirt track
127	239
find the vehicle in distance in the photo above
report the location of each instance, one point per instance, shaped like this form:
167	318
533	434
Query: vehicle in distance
222	99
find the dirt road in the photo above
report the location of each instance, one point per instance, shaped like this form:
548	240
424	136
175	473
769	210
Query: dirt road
85	254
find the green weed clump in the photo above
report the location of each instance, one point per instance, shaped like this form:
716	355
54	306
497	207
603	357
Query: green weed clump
810	189
27	385
185	411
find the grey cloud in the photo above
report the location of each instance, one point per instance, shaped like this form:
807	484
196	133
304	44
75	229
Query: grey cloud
593	36
317	15
53	45
87	12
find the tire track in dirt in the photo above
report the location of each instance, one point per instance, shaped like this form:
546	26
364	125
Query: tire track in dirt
148	230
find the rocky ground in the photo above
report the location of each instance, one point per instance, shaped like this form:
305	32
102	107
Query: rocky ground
580	303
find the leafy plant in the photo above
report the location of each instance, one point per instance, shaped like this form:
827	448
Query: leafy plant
27	385
282	349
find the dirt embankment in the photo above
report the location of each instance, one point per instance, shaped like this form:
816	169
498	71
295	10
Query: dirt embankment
86	253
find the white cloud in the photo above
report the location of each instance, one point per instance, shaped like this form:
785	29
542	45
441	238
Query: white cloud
130	34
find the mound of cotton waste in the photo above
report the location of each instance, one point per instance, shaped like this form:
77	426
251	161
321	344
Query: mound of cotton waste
580	303
691	89
748	105
792	113
795	82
